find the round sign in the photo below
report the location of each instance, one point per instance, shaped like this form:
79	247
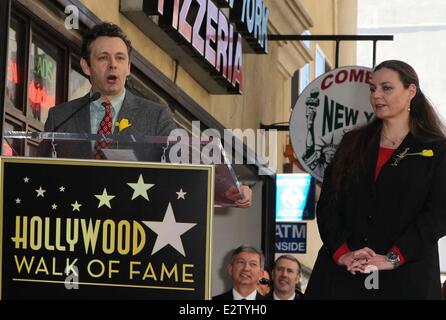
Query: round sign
328	106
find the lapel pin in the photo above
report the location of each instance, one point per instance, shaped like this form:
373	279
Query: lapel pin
123	124
404	154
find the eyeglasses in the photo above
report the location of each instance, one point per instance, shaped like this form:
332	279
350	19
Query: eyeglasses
265	281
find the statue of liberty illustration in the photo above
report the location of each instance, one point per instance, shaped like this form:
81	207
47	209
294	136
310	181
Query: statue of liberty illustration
311	156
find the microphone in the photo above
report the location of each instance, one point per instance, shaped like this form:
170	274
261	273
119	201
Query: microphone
95	96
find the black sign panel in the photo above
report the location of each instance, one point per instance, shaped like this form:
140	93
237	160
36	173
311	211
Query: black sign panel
198	34
104	230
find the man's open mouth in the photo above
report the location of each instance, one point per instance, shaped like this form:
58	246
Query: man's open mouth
112	78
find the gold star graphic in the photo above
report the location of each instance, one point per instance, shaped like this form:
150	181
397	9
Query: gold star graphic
76	206
181	194
140	188
40	192
104	199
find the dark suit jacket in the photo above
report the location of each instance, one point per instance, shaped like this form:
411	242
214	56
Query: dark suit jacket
405	206
228	296
146	118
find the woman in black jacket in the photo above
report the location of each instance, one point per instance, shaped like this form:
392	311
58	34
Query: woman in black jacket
382	207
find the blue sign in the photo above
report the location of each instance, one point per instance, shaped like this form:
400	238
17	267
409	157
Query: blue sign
291	237
295	197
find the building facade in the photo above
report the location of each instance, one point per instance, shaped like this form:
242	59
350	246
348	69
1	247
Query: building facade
42	63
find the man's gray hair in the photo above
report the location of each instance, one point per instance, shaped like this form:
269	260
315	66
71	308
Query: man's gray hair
250	249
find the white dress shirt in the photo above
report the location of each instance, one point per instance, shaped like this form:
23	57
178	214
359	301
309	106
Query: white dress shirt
290	298
238	296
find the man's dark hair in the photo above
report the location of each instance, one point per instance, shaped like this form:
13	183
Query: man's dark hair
105	29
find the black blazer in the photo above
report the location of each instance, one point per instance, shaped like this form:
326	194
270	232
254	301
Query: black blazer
228	296
405	206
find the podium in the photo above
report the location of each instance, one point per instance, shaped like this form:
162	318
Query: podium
94	229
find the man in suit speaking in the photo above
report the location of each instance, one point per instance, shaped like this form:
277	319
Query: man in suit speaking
106	61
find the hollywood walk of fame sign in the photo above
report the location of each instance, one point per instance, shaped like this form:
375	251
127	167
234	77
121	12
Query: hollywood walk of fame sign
76	229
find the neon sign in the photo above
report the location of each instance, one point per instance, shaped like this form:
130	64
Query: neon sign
13	75
7	150
44	68
38	96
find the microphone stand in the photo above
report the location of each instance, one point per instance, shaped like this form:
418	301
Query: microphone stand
53	147
95	96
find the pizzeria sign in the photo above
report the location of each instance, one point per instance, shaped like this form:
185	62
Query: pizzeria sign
206	37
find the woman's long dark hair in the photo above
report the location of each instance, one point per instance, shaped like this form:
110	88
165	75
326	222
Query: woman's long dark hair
424	124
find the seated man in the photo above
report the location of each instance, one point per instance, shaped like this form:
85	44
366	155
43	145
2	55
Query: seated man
246	269
286	275
264	285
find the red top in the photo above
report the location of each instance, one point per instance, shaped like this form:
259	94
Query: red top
343	249
383	156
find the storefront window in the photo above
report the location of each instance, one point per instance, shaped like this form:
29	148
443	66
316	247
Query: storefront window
319	63
43	68
304	77
79	85
307	43
14	76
